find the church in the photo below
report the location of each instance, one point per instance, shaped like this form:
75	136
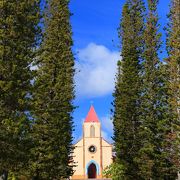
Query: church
92	153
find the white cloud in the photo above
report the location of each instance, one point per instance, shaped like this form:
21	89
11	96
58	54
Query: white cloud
107	128
76	138
107	123
106	136
96	69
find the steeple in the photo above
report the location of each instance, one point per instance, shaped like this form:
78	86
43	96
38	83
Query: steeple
92	116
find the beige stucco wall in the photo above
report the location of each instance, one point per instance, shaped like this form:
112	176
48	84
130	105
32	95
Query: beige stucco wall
92	156
106	153
82	156
78	158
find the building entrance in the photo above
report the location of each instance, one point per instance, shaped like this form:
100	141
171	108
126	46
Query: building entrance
92	171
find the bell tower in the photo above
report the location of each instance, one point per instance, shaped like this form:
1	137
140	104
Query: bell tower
92	125
92	145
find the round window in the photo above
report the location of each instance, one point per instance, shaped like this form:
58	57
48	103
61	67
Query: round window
92	149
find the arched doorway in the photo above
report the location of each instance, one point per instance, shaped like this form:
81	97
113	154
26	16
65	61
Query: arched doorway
92	171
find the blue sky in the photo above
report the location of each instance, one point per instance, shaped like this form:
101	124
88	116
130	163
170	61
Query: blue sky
94	25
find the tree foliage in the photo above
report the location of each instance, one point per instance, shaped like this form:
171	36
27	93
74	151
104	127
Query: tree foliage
18	36
155	115
127	90
173	80
114	171
53	96
146	98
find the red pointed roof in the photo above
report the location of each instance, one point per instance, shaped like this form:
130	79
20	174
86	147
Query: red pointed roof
92	116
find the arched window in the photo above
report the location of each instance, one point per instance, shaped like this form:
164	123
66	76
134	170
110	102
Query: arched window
92	131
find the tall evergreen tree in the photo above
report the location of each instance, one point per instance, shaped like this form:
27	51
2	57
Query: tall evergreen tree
127	89
18	35
53	96
173	74
155	116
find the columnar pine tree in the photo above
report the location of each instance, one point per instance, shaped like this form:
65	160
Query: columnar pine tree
155	117
18	35
173	74
53	96
127	90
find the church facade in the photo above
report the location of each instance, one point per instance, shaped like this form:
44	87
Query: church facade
92	153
